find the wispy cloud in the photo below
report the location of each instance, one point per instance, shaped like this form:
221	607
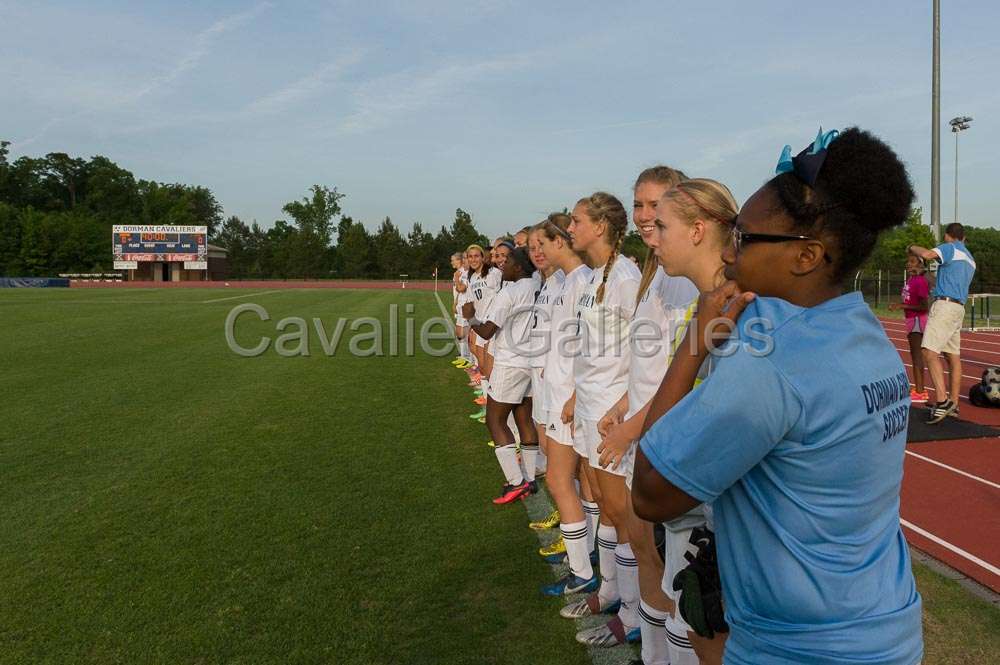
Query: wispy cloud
730	146
384	99
612	125
306	87
201	46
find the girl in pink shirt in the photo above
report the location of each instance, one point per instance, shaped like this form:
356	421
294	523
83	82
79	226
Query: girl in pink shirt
916	292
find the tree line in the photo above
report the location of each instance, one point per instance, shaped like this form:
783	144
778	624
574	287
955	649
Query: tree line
304	247
56	214
56	211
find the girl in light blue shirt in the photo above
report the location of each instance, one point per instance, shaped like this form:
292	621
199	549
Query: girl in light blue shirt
797	437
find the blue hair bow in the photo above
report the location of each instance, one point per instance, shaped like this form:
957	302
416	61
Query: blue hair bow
807	164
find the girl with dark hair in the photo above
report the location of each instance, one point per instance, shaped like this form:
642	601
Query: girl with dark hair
803	476
915	297
508	325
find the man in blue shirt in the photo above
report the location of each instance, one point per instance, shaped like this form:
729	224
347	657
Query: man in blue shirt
944	322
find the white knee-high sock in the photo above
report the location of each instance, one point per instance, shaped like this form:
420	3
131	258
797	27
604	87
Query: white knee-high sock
678	644
507	457
654	637
607	541
628	584
575	537
592	512
529	456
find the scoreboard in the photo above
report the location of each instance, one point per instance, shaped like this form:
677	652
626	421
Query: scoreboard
159	243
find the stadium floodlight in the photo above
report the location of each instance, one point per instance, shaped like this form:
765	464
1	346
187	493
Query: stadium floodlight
958	125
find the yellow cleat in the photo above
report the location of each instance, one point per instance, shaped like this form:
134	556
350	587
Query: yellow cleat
558	547
549	522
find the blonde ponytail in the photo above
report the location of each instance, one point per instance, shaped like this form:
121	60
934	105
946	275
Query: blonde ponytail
707	200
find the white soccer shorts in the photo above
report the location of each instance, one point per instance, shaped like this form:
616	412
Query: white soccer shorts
510	385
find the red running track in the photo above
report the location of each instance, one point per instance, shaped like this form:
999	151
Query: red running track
950	503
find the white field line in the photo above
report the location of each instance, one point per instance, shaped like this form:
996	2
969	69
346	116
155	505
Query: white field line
948	546
965	361
958	471
965	336
966	376
902	324
965	345
248	295
450	319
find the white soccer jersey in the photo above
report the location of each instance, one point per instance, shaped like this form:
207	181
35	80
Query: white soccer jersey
483	290
659	314
558	380
541	324
511	311
600	370
463	296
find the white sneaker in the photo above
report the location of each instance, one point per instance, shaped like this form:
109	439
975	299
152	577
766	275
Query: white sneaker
588	606
610	634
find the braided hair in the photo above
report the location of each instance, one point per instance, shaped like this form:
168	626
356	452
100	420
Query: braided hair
604	207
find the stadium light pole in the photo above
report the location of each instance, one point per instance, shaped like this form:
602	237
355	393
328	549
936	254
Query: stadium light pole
936	125
958	125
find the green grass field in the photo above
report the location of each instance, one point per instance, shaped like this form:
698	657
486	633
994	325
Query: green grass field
165	500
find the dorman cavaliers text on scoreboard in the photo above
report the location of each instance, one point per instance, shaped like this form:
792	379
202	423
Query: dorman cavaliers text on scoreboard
159	243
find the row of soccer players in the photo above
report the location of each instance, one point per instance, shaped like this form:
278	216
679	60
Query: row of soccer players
583	354
548	326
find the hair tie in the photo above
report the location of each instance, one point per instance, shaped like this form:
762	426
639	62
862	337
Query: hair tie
807	164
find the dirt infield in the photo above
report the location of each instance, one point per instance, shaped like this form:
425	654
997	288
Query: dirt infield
424	285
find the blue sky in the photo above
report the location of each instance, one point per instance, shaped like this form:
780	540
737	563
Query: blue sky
506	109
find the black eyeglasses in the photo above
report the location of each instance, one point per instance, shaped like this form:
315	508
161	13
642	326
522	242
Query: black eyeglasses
741	238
